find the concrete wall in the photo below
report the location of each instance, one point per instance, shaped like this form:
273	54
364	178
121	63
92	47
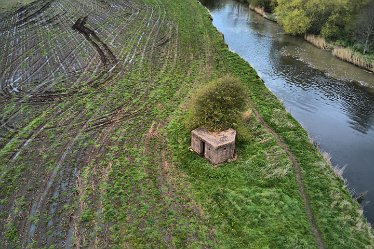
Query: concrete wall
219	155
196	144
215	156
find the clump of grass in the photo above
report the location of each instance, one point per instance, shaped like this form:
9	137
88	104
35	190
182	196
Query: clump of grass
11	232
246	115
338	171
317	41
87	215
348	55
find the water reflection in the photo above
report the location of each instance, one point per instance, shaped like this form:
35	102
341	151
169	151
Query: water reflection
320	91
353	99
212	4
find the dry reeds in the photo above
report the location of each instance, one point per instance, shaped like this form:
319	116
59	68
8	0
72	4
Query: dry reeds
258	10
261	11
317	41
348	55
338	171
340	52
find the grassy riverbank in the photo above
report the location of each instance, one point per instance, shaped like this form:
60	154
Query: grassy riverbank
108	165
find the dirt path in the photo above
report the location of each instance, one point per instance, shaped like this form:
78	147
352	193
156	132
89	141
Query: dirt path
299	180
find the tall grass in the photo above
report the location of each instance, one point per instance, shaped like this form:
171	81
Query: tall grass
338	171
348	55
317	41
258	10
343	53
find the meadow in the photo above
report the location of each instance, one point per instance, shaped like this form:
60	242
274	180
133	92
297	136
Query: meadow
94	150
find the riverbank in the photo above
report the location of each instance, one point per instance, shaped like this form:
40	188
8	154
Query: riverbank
343	53
108	165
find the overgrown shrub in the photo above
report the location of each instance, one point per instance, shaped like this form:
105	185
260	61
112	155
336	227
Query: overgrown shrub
218	105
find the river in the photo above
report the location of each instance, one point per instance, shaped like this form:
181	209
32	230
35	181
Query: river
332	99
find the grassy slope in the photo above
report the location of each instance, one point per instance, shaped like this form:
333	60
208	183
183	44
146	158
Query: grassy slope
148	190
259	178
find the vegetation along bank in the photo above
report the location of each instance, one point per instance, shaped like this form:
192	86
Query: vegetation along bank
94	142
344	27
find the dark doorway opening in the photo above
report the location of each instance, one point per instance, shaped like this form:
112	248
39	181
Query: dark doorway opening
202	144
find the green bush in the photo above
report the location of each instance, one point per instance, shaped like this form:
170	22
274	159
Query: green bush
218	105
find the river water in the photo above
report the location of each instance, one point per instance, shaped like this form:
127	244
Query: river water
332	99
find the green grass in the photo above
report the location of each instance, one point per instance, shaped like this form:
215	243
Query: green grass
6	5
253	202
138	185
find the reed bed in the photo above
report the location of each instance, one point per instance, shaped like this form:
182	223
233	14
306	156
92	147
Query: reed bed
258	10
317	41
261	11
343	53
348	55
